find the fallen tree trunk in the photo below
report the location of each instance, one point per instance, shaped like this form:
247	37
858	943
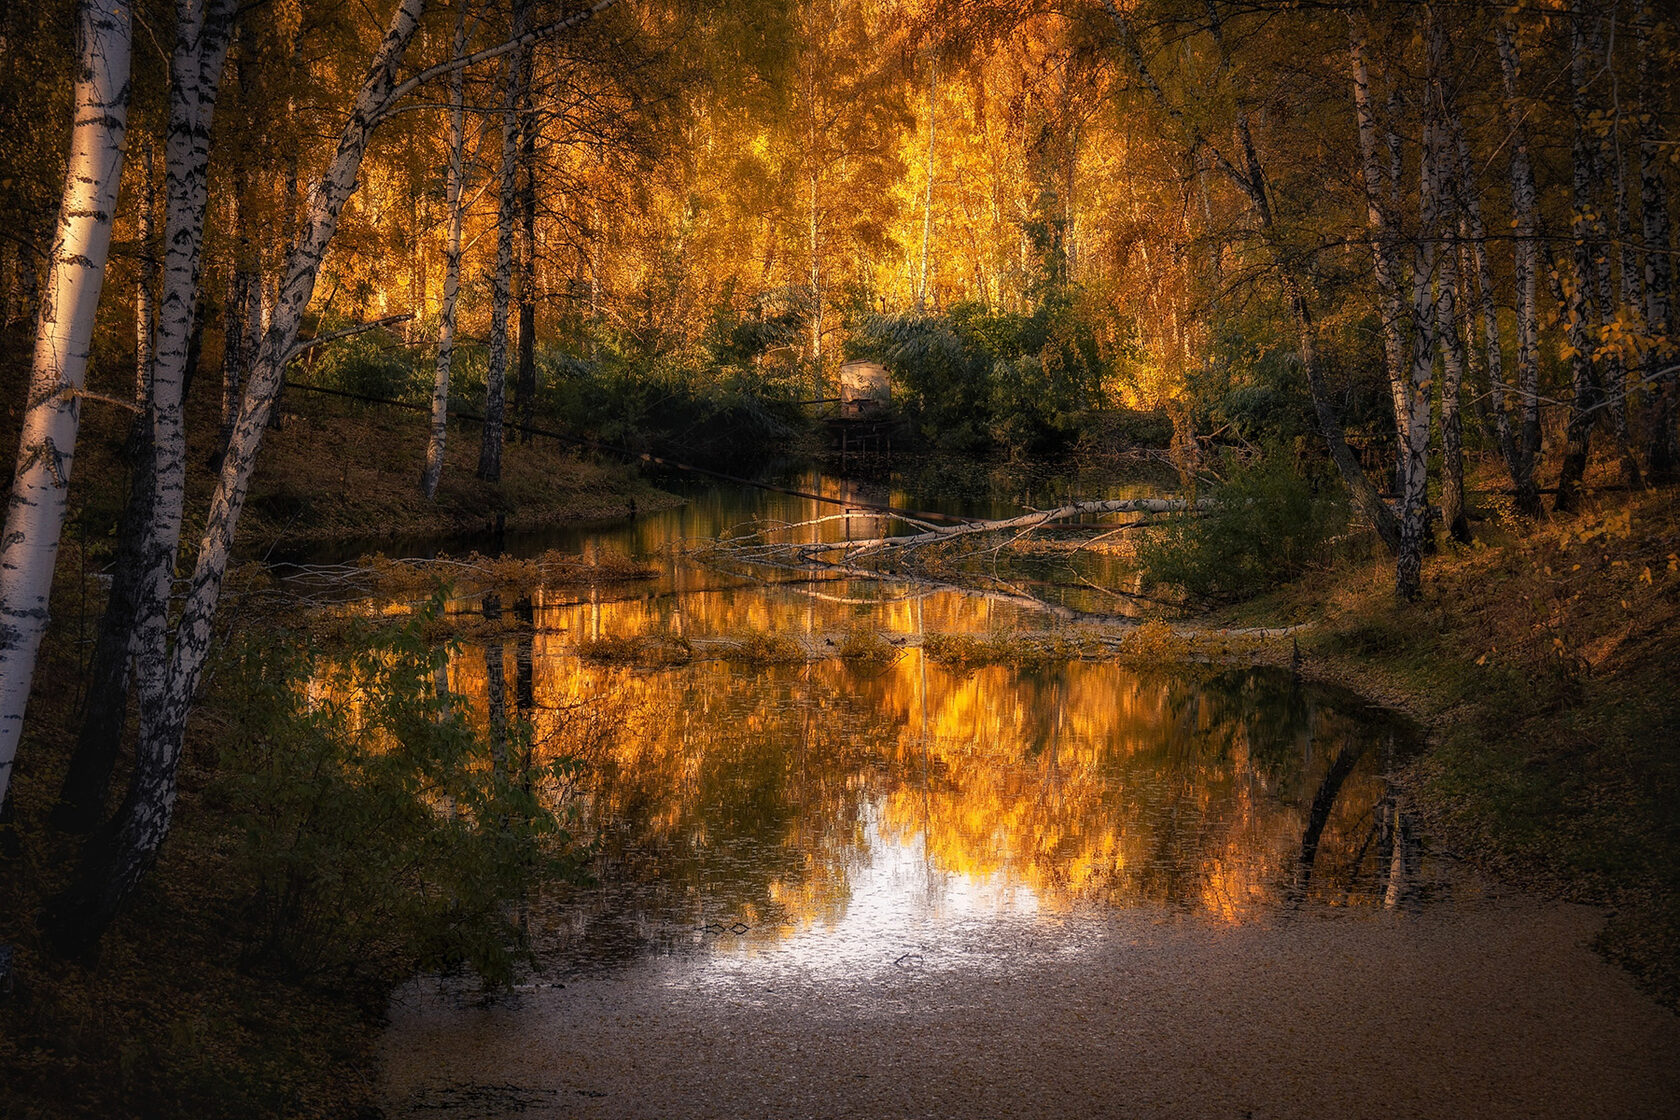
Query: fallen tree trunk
1024	523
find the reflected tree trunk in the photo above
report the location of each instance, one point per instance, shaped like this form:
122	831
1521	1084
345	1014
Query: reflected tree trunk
524	656
1318	814
495	680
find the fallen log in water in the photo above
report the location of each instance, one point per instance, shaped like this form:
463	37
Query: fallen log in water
926	534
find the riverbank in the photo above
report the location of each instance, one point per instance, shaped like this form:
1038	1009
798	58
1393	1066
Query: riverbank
1542	661
339	470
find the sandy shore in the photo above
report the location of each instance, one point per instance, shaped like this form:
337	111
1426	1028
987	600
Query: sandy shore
1486	1009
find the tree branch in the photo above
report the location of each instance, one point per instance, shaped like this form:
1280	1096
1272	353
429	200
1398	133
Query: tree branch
311	343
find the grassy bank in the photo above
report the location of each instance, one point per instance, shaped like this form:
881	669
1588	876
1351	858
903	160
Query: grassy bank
342	470
339	469
1543	661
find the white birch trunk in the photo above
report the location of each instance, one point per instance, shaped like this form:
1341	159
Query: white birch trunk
64	332
927	200
203	36
1414	444
76	919
436	442
501	279
816	286
1384	251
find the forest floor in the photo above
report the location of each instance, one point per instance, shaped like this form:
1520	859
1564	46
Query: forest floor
1542	659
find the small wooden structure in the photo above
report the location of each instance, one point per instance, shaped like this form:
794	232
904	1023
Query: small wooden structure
865	389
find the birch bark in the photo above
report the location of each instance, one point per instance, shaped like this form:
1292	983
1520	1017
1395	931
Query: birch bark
118	858
1439	158
437	440
203	35
927	199
1384	250
64	332
501	279
1414	444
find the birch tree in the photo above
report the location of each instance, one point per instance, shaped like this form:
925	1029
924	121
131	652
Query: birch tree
501	277
36	508
120	856
439	432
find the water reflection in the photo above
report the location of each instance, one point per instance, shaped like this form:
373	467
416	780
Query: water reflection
824	813
841	812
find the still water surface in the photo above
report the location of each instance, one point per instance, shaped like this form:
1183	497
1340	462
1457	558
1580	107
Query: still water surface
832	815
894	887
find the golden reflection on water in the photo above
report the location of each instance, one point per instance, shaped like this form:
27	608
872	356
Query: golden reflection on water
754	805
828	807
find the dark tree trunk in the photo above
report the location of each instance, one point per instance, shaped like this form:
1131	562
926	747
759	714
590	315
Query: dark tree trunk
525	382
81	800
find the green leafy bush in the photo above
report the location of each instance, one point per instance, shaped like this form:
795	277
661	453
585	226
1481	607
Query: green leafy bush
970	378
1268	522
379	830
374	363
724	414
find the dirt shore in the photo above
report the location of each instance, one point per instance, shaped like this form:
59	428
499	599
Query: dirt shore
1493	1009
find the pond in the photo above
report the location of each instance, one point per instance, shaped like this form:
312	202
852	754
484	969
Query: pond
832	847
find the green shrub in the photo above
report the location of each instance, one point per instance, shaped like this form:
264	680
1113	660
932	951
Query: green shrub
723	413
373	363
1268	522
379	830
971	378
